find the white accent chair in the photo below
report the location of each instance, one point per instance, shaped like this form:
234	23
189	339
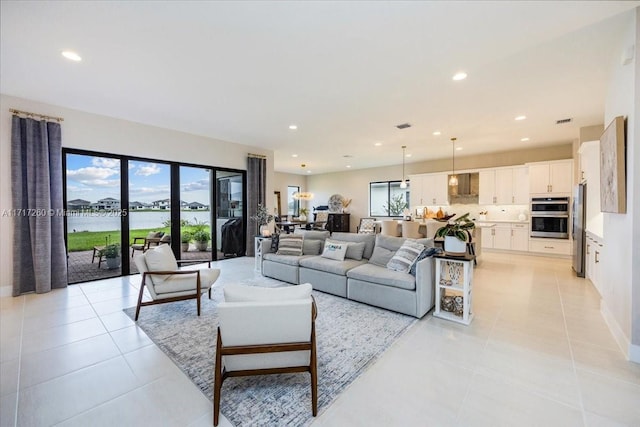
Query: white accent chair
166	283
265	331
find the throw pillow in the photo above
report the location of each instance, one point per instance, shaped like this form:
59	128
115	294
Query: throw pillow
355	250
335	251
405	256
244	293
160	259
290	245
311	247
427	252
381	256
275	239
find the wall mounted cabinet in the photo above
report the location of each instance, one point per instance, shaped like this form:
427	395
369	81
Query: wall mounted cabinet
504	186
429	189
554	177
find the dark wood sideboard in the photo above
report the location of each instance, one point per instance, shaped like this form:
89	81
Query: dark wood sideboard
338	222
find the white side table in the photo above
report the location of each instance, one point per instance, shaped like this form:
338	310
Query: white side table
454	279
258	253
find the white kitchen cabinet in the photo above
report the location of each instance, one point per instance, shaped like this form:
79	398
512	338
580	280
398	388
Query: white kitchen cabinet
520	237
593	257
550	246
551	177
504	186
506	236
429	189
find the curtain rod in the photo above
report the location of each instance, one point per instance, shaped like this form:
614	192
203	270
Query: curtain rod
260	156
42	116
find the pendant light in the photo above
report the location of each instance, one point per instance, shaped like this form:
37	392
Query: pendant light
453	179
403	184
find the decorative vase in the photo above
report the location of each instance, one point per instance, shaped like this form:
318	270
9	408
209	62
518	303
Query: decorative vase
302	217
455	246
264	231
185	247
202	246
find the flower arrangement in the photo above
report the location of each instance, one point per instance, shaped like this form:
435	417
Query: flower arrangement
262	216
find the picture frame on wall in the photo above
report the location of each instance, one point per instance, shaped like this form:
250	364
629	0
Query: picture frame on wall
613	168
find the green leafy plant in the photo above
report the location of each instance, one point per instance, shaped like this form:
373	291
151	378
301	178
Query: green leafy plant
460	227
262	216
111	251
396	206
198	225
201	236
185	237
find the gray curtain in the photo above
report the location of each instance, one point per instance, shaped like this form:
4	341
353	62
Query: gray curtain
256	189
39	255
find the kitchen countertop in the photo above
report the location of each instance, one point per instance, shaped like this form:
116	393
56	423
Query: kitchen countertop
489	222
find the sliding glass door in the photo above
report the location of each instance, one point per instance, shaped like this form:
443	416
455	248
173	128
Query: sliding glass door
230	224
195	213
94	216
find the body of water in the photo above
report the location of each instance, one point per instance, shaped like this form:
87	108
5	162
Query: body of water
103	221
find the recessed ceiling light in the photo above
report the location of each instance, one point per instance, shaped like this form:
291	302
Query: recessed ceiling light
69	54
308	171
378	144
294	155
524	139
348	166
436	133
459	148
409	155
461	75
293	127
520	118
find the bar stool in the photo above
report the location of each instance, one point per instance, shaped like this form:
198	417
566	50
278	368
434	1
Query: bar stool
410	229
390	228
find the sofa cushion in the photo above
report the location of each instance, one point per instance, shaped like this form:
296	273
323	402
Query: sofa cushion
290	245
312	234
329	265
354	250
369	241
160	258
381	275
426	252
405	256
381	256
334	250
285	259
244	293
311	247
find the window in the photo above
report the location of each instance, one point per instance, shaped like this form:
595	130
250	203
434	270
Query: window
293	205
386	198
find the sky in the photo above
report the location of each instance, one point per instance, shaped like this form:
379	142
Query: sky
93	178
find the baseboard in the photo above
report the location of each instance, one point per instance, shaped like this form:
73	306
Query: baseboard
616	330
6	291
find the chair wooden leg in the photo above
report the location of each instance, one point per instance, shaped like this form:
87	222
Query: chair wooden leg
144	278
217	382
314	372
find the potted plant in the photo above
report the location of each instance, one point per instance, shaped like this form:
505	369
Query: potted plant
185	238
262	218
303	214
201	237
456	234
112	254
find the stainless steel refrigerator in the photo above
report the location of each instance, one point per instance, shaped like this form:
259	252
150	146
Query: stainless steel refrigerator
578	230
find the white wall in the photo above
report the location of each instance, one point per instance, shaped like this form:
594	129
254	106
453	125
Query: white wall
87	131
621	294
283	180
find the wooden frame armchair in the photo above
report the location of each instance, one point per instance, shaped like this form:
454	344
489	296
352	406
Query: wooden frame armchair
367	226
166	283
142	244
266	331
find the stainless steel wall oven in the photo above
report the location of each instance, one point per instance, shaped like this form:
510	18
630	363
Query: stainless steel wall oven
550	217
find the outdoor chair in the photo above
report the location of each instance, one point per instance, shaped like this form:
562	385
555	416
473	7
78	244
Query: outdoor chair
143	243
166	283
265	331
367	226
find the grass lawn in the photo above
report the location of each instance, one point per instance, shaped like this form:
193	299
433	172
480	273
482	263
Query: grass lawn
86	240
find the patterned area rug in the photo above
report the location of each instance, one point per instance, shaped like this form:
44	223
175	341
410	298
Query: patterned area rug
350	336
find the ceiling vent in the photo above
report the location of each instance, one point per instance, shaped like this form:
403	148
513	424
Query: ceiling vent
403	126
563	121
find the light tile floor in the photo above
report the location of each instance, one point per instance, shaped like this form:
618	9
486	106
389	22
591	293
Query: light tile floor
537	353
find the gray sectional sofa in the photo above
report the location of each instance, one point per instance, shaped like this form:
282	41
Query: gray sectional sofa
362	276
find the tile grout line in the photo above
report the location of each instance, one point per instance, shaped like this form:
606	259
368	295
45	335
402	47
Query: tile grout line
573	361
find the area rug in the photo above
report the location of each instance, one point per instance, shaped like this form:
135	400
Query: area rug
350	336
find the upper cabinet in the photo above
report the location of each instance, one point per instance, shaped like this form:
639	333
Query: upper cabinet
504	186
551	177
429	189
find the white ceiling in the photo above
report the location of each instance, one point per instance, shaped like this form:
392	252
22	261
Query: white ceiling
345	72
